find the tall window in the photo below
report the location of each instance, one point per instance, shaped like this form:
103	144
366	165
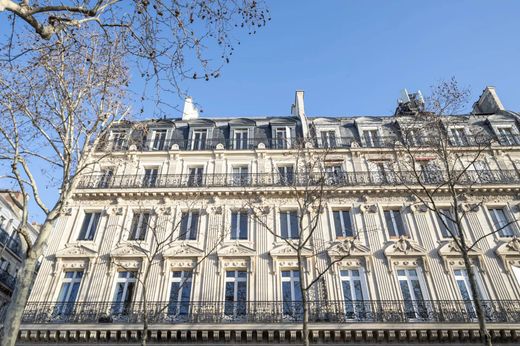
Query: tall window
241	139
354	293
150	177
281	138
413	293
289	225
446	224
105	178
291	293
334	174
500	222
379	173
140	224
394	223
516	273
286	175
236	293
462	280
159	139
195	176
506	136
328	139
118	140
198	139
343	223
124	292
371	138
458	137
180	293
189	225
239	222
240	176
89	226
68	291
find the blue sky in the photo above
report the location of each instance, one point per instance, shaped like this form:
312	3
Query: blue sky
353	57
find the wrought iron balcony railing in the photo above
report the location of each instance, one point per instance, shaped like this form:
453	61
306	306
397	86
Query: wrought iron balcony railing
379	311
7	279
289	143
339	179
10	242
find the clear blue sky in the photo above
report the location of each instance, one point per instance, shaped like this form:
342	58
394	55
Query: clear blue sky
353	57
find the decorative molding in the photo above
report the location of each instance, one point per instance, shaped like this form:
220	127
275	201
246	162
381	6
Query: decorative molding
183	249
469	207
348	251
128	250
418	208
77	250
236	249
368	208
451	255
408	249
509	253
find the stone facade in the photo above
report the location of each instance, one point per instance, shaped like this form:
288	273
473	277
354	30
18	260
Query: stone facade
400	279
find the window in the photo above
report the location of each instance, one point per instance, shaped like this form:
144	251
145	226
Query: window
189	226
140	223
462	280
291	293
430	173
480	172
281	138
198	139
180	293
328	139
458	137
413	294
516	273
119	140
239	221
105	178
4	264
235	293
286	175
413	137
241	139
240	176
354	293
124	291
289	225
371	138
150	177
379	172
89	226
195	176
506	136
334	174
343	223
68	292
446	223
501	224
394	223
159	139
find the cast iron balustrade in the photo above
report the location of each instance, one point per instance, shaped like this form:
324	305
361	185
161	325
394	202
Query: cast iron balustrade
7	279
291	143
338	179
366	311
11	243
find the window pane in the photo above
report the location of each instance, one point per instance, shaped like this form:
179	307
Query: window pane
243	225
283	225
294	225
194	226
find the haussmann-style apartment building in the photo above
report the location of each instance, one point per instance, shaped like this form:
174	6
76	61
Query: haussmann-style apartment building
222	277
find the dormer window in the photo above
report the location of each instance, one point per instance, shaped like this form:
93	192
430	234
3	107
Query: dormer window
282	138
458	137
118	140
159	139
506	135
328	139
241	139
198	139
371	138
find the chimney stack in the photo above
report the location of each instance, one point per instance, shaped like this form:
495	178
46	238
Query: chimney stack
190	111
488	102
298	111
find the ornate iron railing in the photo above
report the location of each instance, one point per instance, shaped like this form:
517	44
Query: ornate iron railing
7	279
391	311
10	242
338	179
295	142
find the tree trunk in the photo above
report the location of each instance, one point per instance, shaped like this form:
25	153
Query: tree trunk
144	336
484	333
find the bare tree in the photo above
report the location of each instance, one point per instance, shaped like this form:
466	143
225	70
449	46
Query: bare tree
152	237
53	107
438	158
311	184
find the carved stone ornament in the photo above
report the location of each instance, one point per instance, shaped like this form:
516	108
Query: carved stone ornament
262	210
214	210
174	147
128	250
451	254
469	207
236	249
163	210
261	146
418	208
350	250
183	250
509	253
116	211
285	250
406	248
368	208
220	146
77	250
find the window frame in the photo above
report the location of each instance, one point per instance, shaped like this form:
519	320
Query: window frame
507	215
132	236
202	144
163	142
394	223
235	234
190	234
288	213
341	212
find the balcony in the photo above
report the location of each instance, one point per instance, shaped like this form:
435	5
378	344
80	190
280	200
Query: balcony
344	179
7	279
12	243
374	311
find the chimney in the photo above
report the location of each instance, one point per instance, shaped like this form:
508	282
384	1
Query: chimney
488	102
298	110
190	111
410	103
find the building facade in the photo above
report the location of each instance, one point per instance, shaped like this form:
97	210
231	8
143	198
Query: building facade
10	245
223	277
